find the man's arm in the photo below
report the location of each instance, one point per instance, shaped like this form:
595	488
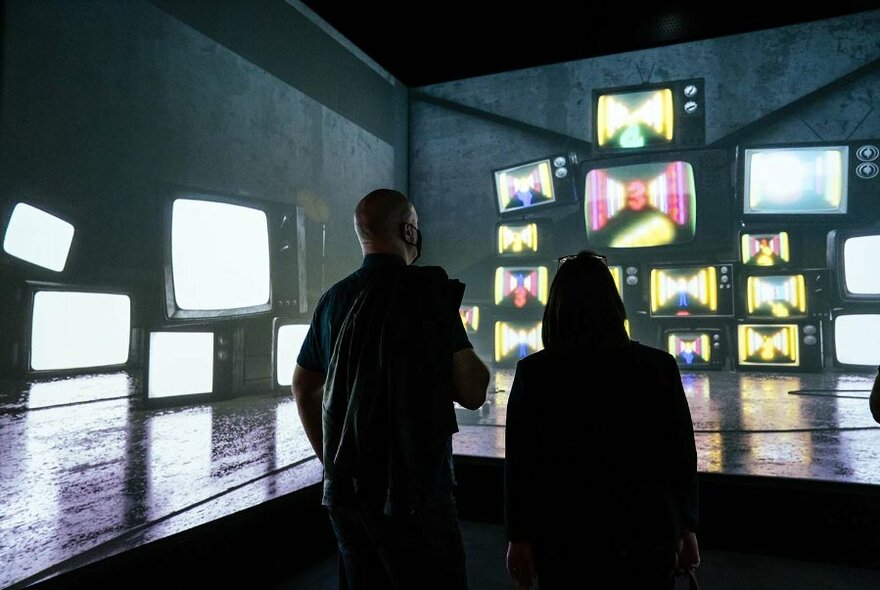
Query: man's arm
875	397
308	392
470	378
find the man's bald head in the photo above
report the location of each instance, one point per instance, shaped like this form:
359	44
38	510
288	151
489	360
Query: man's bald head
379	216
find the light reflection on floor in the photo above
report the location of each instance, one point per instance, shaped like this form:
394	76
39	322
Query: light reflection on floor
80	479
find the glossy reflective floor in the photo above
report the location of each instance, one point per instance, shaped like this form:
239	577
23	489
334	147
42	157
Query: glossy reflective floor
86	472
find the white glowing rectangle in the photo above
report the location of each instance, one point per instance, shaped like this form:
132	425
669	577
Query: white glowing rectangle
219	255
181	363
38	237
857	339
290	340
79	330
861	265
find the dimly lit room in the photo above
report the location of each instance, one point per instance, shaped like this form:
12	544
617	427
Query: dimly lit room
178	180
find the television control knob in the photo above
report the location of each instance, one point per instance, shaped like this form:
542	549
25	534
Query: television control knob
867	170
690	90
810	340
810	330
868	153
632	280
561	172
559	162
690	107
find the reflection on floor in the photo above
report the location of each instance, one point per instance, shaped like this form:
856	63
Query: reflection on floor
86	472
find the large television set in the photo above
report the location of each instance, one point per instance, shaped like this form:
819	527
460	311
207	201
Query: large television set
217	261
812	181
659	204
854	258
288	337
857	339
75	329
38	237
521	287
691	291
515	340
186	366
795	346
530	187
696	348
649	116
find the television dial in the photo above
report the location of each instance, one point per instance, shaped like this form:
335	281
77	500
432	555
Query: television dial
691	107
716	345
867	170
690	90
632	280
631	270
868	153
810	340
809	330
561	172
559	162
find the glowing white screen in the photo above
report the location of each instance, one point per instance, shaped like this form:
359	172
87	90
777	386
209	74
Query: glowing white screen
181	363
219	255
75	330
857	339
290	339
38	237
861	265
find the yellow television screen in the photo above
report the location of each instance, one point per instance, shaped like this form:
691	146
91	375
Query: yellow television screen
771	249
635	119
524	187
687	291
690	348
768	345
521	287
778	296
516	340
518	238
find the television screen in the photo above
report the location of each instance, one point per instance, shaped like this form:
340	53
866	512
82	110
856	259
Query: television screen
779	296
521	286
180	363
524	187
516	340
518	238
470	317
861	265
768	345
38	237
857	339
796	180
288	342
635	119
770	249
693	348
687	291
219	256
640	205
617	275
79	330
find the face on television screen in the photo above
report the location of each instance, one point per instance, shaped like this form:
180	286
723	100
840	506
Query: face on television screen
470	317
690	349
768	345
219	255
779	296
77	330
525	186
181	363
861	265
640	205
635	119
38	237
516	340
287	347
770	249
809	180
690	291
518	238
521	286
857	339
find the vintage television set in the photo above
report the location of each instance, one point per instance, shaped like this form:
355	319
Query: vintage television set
649	116
519	238
288	335
854	259
696	348
813	182
521	287
765	249
75	329
515	340
533	187
779	346
856	338
690	291
35	236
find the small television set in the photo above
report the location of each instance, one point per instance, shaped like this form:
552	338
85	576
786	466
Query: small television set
813	181
767	249
188	365
521	286
854	257
76	329
649	116
691	291
217	261
526	188
857	339
776	296
518	239
515	340
38	237
659	204
779	347
697	348
470	318
289	335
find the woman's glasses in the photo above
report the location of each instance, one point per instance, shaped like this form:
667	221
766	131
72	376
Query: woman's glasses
563	259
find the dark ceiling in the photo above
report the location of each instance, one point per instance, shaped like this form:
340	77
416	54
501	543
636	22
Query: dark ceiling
426	43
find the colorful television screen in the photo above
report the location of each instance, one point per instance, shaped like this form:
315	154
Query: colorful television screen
518	238
861	266
631	120
770	249
79	330
38	237
524	187
617	275
691	348
640	205
516	340
688	291
806	180
470	317
768	345
521	287
288	343
779	296
857	339
180	363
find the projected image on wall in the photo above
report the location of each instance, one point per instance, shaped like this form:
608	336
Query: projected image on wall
768	345
807	180
640	205
771	249
521	287
516	340
635	119
689	291
779	296
524	187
